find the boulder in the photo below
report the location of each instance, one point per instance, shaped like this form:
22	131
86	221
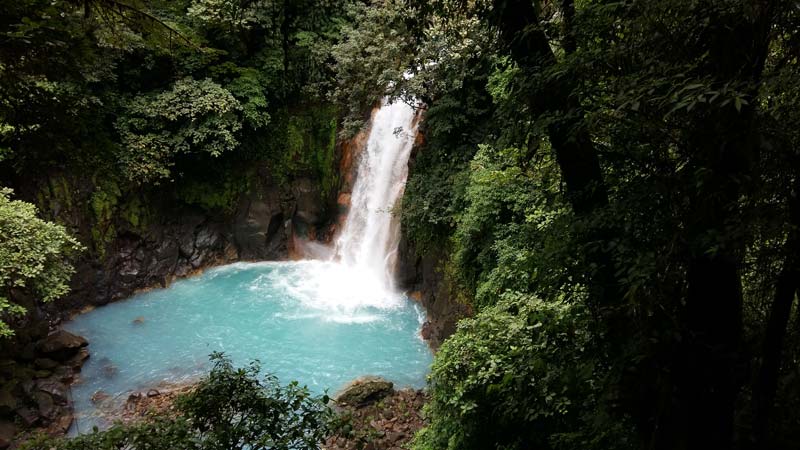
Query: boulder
7	401
64	374
28	352
45	363
42	373
99	397
45	403
61	345
395	437
56	389
364	390
76	362
109	371
7	432
427	330
28	416
61	425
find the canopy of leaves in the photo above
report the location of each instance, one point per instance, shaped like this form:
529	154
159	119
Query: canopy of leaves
130	89
688	109
193	116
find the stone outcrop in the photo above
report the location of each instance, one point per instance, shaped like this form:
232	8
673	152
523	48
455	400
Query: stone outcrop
363	390
422	276
386	425
58	346
128	252
149	238
34	384
7	432
262	225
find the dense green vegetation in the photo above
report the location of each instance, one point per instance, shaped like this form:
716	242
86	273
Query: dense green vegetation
177	99
232	408
33	255
633	166
615	184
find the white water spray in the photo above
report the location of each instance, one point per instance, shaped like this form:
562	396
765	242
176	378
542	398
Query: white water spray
354	278
370	237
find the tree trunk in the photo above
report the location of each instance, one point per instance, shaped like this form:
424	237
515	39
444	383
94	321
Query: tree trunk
767	383
708	380
724	145
575	152
786	287
568	17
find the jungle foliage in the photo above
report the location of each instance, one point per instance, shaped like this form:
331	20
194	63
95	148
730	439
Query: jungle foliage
131	86
615	184
634	166
33	259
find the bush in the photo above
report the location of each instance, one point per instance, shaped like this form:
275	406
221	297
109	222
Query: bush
231	409
33	258
521	374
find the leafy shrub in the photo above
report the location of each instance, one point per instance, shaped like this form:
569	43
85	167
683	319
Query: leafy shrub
194	116
32	257
231	409
521	374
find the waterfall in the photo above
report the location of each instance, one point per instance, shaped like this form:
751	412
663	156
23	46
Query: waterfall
370	236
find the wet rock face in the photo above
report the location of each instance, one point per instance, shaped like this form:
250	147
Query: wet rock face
162	241
260	230
363	391
34	389
422	276
309	208
171	239
156	256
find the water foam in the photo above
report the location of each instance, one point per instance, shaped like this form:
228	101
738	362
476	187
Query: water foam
368	243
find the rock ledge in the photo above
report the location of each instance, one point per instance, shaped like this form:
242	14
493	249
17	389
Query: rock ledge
364	390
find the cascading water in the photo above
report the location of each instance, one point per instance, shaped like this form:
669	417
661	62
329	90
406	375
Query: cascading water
369	240
321	322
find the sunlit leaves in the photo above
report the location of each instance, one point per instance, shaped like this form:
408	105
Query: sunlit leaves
235	14
374	53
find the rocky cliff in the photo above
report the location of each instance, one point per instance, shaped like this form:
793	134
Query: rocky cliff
423	276
140	238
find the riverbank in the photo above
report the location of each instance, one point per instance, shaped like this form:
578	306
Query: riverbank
388	423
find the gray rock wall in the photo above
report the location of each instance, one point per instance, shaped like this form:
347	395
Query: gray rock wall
178	239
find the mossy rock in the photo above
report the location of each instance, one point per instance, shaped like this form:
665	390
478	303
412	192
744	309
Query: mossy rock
363	391
8	402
